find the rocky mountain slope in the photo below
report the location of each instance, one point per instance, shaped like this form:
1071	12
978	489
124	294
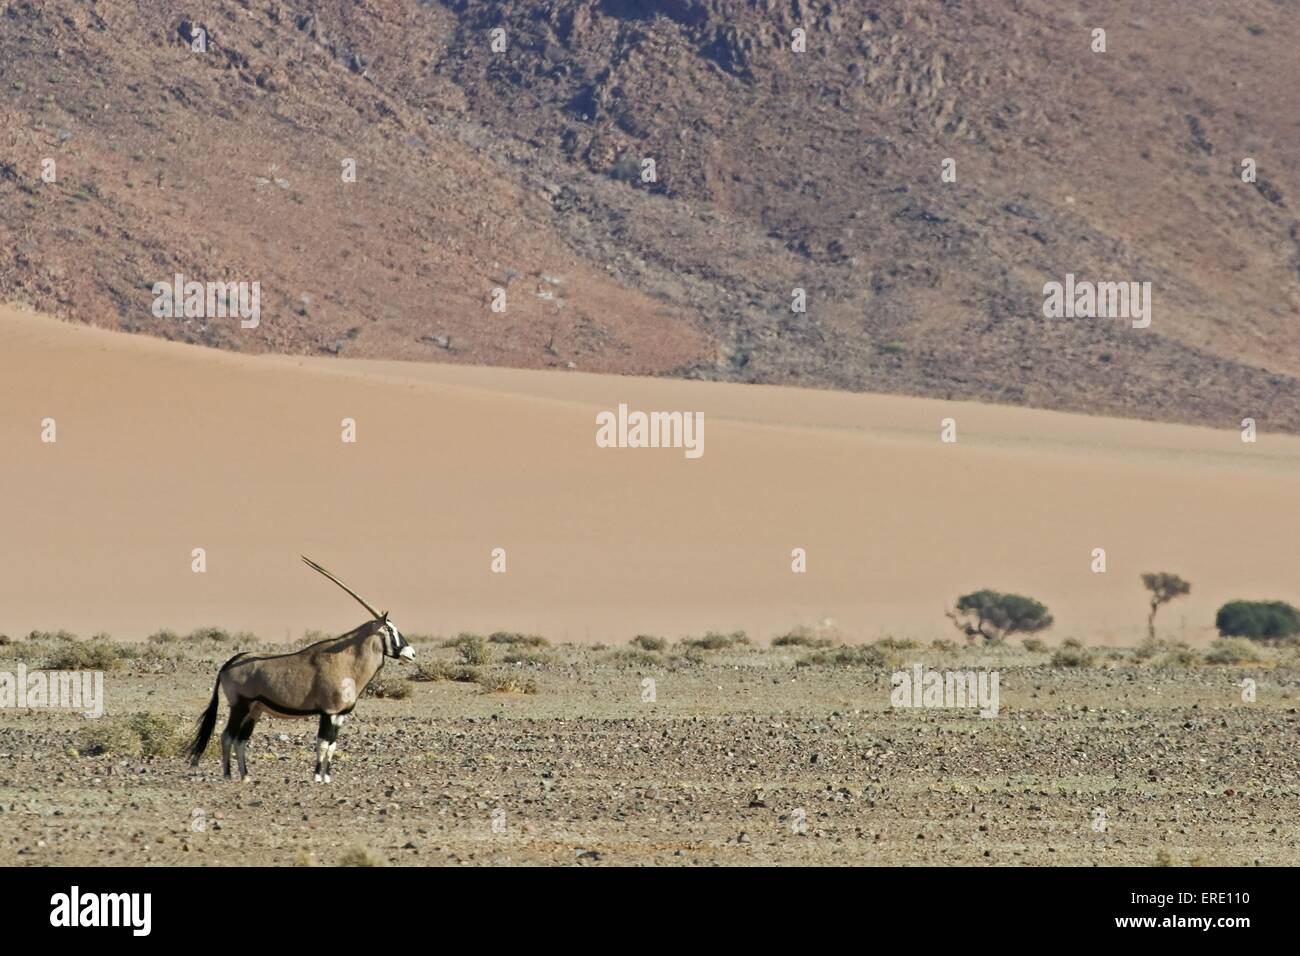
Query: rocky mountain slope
522	169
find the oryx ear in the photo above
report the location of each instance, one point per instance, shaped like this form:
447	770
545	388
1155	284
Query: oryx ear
384	617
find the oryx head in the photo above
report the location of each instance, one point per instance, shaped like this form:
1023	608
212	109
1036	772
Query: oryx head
394	644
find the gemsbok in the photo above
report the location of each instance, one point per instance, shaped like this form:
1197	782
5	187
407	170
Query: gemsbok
322	680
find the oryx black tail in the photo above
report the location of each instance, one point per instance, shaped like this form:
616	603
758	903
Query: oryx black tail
208	719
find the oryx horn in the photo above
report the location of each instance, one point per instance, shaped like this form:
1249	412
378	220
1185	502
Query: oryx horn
327	574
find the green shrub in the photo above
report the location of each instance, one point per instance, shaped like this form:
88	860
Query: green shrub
995	616
1258	620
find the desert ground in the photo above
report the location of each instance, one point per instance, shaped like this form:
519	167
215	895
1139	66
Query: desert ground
560	749
163	447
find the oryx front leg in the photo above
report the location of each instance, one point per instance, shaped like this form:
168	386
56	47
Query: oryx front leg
326	743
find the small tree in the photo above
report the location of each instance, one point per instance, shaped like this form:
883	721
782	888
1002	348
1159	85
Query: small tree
995	616
1164	587
1258	620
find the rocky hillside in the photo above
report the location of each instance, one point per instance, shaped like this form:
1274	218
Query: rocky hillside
522	168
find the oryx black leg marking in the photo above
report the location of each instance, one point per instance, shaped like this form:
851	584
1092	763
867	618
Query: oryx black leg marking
326	740
241	744
238	713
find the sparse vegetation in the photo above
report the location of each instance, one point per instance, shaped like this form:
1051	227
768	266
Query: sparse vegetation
164	637
508	684
443	670
473	649
1073	656
716	641
87	656
384	686
801	637
632	657
360	856
1034	645
862	655
647	642
1232	650
518	640
139	735
995	616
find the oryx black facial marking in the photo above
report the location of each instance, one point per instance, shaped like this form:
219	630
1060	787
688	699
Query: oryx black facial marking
322	680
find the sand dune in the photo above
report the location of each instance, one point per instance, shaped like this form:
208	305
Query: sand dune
163	448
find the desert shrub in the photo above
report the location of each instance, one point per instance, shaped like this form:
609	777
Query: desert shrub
801	637
1034	645
861	655
995	616
360	856
1073	642
943	645
890	643
508	684
518	640
473	649
632	657
1179	656
716	641
648	642
393	688
1258	620
86	656
139	735
1232	650
690	655
215	634
442	670
1077	656
164	637
46	637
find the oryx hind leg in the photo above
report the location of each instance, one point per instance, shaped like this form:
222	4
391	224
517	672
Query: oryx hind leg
241	742
238	714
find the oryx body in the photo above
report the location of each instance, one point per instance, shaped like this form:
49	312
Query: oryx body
321	681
